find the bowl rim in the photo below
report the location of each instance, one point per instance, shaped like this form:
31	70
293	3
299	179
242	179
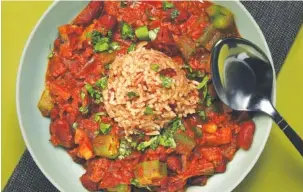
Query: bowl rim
32	153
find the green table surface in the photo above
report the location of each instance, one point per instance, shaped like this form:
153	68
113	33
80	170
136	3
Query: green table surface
280	167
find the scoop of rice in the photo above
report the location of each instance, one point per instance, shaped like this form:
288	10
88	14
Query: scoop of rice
136	98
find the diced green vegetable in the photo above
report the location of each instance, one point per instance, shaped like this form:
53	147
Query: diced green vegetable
155	67
203	82
222	22
106	146
221	17
45	103
153	33
184	143
174	14
127	31
213	10
132	47
99	47
120	188
102	83
166	5
206	36
142	33
166	81
104	127
148	111
148	171
186	46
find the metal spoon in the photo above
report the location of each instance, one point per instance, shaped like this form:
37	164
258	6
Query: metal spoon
243	79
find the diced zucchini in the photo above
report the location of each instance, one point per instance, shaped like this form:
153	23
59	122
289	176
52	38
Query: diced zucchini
222	21
45	104
184	142
186	46
106	146
120	188
148	171
142	33
221	17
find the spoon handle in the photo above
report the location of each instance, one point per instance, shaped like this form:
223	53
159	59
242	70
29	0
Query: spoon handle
289	132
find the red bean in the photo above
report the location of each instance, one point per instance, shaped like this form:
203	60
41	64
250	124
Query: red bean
246	133
174	163
168	72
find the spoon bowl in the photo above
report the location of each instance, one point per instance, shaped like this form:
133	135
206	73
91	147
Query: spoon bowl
243	79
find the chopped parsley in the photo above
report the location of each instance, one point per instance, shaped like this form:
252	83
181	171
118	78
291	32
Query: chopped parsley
166	81
103	43
104	127
132	94
166	5
51	54
132	47
166	139
202	114
193	74
148	111
203	82
114	46
102	83
107	66
155	67
127	32
125	149
174	14
83	109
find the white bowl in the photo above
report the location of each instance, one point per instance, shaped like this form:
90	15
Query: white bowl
55	163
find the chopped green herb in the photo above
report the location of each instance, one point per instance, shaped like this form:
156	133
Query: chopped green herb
174	14
123	4
208	101
107	66
166	81
75	125
192	74
166	139
155	67
83	109
90	89
205	92
132	95
88	35
132	47
110	34
202	114
104	128
125	149
82	95
203	82
127	31
114	46
102	83
153	33
50	55
152	142
148	111
166	5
